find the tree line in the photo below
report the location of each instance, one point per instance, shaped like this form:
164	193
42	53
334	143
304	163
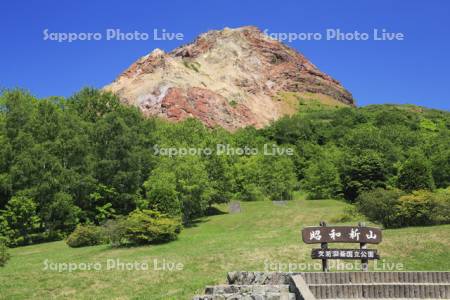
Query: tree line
88	159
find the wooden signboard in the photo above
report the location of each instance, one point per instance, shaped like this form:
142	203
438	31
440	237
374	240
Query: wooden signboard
342	234
344	253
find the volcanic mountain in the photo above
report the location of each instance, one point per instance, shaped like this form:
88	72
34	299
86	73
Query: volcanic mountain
231	77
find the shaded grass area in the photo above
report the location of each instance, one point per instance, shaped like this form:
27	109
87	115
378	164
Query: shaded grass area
263	235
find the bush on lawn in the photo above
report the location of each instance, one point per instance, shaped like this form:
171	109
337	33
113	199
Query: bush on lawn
443	206
394	208
350	214
380	206
4	255
148	226
85	235
424	208
140	227
115	231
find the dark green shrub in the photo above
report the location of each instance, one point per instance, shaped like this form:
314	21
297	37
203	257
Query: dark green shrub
416	174
147	227
19	220
381	206
424	208
139	228
179	186
62	215
115	231
322	180
278	177
4	255
363	172
5	231
250	192
442	211
393	208
440	164
259	177
350	214
161	192
85	235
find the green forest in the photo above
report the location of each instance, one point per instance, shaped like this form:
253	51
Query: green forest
85	169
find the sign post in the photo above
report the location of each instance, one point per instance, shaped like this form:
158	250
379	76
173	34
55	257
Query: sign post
342	234
364	261
324	246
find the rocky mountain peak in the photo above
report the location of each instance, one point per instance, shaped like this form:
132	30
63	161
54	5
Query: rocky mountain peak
231	77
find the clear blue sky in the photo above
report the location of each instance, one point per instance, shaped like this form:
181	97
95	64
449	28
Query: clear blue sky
416	70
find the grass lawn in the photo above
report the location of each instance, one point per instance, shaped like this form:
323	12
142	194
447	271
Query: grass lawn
263	232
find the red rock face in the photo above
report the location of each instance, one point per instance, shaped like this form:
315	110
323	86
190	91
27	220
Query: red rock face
210	108
292	72
227	78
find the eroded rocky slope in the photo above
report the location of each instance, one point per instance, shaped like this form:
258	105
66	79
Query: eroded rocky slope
232	78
